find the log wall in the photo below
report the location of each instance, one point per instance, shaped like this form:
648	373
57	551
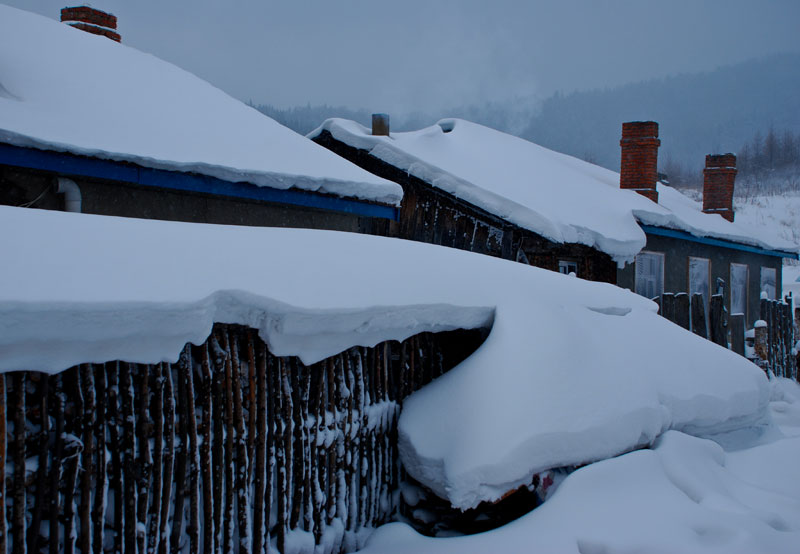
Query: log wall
229	449
429	214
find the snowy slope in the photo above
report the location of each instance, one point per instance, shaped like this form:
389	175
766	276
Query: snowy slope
66	90
557	196
685	495
572	370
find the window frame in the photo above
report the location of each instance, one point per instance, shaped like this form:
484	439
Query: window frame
707	294
566	263
774	278
746	287
659	255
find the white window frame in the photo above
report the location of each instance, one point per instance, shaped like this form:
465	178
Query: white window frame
707	292
774	272
566	267
639	286
746	299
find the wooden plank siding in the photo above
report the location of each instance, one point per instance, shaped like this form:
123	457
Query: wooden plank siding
431	215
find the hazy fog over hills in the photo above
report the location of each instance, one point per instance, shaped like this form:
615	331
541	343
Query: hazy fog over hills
701	113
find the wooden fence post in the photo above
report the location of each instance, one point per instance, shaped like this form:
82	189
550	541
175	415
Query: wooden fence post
698	316
719	334
668	306
737	333
682	314
761	337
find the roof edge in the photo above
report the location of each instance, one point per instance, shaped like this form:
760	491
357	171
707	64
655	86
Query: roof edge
674	233
129	172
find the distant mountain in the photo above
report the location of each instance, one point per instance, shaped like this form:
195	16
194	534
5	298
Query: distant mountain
698	114
713	112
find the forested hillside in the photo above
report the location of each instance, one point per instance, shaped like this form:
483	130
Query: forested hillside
712	112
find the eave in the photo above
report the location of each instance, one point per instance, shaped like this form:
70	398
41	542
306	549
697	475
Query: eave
125	172
683	235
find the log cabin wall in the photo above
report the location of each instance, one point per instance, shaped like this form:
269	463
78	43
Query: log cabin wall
229	449
431	215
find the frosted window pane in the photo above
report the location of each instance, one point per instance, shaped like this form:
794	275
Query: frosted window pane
649	274
699	278
769	282
738	288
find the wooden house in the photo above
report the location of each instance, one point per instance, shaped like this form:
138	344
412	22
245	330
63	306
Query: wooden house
470	187
474	188
120	132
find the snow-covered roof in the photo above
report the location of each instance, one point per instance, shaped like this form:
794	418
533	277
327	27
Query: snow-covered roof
572	370
67	90
557	196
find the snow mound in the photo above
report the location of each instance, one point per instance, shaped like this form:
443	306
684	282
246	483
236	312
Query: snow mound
572	370
685	495
66	90
557	196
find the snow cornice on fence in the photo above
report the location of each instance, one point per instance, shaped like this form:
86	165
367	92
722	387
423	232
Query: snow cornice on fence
571	371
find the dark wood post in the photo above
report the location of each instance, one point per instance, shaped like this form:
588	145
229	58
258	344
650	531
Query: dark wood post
737	333
682	314
668	306
699	316
719	334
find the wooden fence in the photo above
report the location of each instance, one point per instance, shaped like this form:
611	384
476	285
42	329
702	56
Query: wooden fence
775	333
229	449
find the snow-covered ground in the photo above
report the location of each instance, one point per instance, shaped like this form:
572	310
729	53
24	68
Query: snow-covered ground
572	371
740	494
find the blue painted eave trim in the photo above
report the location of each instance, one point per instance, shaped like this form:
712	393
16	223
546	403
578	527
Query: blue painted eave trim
71	164
683	235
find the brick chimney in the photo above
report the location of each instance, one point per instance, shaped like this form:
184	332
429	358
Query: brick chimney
718	178
92	21
380	124
638	170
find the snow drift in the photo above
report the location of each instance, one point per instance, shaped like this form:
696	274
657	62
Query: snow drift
572	371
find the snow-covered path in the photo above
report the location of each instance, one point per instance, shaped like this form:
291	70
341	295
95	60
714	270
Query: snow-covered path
686	494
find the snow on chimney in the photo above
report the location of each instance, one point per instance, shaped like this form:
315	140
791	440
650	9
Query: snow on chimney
638	170
92	21
718	178
380	124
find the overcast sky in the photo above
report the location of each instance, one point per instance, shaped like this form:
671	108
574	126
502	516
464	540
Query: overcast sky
427	54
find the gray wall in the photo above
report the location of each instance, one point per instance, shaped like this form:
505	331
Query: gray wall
676	269
22	186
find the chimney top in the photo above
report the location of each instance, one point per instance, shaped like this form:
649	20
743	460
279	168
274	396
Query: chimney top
639	130
718	183
721	160
380	124
639	164
92	21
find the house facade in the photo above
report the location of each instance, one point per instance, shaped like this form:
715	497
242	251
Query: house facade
718	256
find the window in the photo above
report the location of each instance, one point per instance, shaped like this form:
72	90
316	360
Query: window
699	278
769	282
739	278
566	267
650	274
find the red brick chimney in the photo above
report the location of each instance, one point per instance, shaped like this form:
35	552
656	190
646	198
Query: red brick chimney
380	124
718	178
92	21
639	167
